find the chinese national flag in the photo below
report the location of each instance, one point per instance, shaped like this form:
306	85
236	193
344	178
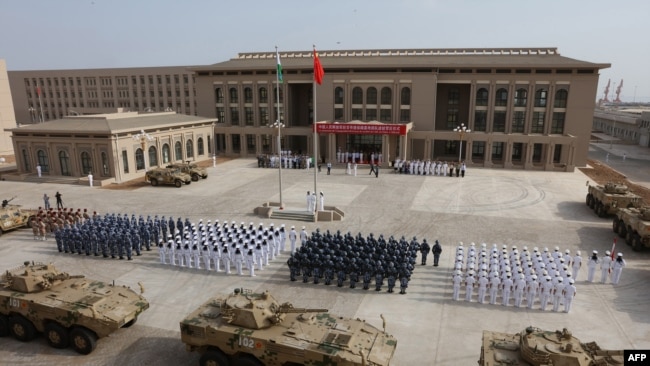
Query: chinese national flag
318	69
38	91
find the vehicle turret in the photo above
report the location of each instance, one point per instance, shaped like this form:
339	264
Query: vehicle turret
609	198
35	279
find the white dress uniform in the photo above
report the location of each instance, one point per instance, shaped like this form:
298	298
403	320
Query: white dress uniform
558	294
519	287
569	293
303	236
161	252
292	239
531	291
239	260
546	289
605	267
617	266
206	257
507	289
225	257
259	254
458	279
591	265
469	286
495	282
250	262
482	287
576	263
216	257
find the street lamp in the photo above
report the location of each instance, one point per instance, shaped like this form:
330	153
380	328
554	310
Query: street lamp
143	137
214	144
462	129
279	126
32	111
611	141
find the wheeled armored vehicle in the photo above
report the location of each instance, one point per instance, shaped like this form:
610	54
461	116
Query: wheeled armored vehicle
168	176
607	199
633	224
191	169
13	217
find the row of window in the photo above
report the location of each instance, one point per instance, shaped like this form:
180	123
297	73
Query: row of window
105	81
498	148
518	125
152	153
233	95
520	98
64	162
385	96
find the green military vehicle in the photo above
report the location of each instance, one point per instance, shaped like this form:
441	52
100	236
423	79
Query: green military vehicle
70	310
13	217
168	176
193	170
536	347
633	224
606	200
254	329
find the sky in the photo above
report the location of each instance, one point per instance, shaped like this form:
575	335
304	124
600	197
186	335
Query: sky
79	34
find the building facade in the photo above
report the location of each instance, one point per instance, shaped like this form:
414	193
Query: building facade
44	95
526	108
631	126
112	147
7	116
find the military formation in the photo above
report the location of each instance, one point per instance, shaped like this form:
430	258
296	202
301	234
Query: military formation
511	277
610	267
428	167
48	221
355	261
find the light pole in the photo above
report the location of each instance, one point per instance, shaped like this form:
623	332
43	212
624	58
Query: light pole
279	126
611	141
31	110
214	144
143	137
462	130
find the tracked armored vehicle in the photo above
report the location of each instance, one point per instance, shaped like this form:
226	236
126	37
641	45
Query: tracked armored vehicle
13	217
633	224
606	200
536	347
254	329
191	169
69	309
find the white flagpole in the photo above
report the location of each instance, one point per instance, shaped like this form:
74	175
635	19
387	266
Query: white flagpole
277	95
40	101
315	143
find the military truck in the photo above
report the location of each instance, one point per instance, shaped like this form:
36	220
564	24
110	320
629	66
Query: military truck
69	309
13	216
167	176
536	347
606	200
246	328
633	224
193	170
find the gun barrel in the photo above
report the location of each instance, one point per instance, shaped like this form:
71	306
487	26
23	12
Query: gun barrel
303	310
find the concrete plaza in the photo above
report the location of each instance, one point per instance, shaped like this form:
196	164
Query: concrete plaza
512	207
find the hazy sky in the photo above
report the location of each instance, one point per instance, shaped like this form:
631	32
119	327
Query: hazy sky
74	34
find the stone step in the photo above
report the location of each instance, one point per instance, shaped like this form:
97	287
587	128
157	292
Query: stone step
51	179
292	215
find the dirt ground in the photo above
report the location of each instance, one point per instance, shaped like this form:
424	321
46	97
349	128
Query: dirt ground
602	174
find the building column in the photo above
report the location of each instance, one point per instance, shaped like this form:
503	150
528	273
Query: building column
507	155
228	141
528	159
548	164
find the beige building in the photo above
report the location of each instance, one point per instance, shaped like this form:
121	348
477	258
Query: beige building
92	91
113	147
631	126
526	108
7	118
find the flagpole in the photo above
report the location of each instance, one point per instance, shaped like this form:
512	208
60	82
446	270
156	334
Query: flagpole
40	101
315	143
277	95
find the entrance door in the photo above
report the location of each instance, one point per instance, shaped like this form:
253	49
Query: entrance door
364	144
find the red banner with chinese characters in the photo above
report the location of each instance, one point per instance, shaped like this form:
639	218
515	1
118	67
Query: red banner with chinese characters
361	128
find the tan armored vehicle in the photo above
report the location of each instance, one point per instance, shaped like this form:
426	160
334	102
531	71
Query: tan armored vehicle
193	170
12	216
254	329
537	347
606	200
69	310
633	224
169	176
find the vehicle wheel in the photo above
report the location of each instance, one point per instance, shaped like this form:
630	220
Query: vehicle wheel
603	210
178	184
622	229
247	360
22	329
195	177
57	336
0	232
592	203
615	225
628	236
189	182
636	242
130	323
588	199
30	222
154	182
4	326
205	176
214	357
83	341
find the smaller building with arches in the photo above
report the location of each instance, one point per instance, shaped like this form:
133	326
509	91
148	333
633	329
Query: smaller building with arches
114	147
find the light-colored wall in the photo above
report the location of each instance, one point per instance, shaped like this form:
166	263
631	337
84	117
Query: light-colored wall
7	117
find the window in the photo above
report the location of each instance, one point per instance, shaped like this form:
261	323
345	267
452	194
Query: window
385	115
518	121
338	95
557	125
557	153
125	161
178	151
453	97
497	150
517	151
537	152
501	98
189	148
357	95
235	142
480	120
561	97
371	114
338	114
234	115
371	95
26	160
42	161
165	153
478	149
452	118
64	161
250	143
199	146
264	116
264	95
357	113
249	116
499	123
405	96
405	115
521	95
482	97
86	163
210	145
538	122
541	96
221	114
386	95
234	97
105	164
139	159
248	95
153	156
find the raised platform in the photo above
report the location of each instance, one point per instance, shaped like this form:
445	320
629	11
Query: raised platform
272	210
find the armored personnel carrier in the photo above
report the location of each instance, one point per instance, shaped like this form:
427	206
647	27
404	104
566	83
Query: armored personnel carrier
68	309
606	200
170	176
254	329
13	216
191	169
536	347
633	224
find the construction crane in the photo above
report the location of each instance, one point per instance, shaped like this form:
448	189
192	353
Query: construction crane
606	98
618	92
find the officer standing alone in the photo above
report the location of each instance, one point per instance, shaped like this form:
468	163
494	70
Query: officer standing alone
437	249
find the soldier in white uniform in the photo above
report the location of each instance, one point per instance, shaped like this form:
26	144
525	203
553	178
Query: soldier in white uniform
457	279
239	260
259	254
519	287
303	236
250	262
495	283
617	266
507	289
469	286
482	287
605	266
591	265
292	239
569	293
309	208
283	239
216	257
531	291
546	291
225	257
206	256
161	252
558	294
576	263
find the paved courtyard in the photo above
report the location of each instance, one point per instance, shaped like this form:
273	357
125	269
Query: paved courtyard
543	209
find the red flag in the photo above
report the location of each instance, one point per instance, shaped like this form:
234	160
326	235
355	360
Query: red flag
613	248
318	69
38	91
